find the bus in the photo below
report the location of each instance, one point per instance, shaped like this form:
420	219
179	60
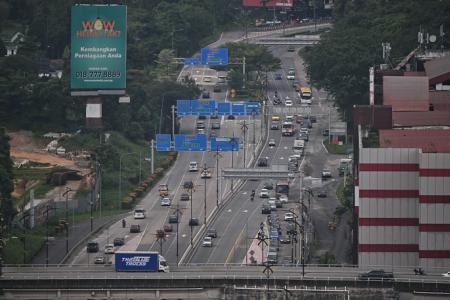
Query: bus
305	95
282	187
287	129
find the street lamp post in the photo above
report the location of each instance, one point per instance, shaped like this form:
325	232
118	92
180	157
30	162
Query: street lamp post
205	170
66	193
246	237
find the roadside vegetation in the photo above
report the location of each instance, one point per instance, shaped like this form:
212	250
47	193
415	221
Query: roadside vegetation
340	62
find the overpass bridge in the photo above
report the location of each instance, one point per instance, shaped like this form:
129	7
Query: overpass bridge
207	281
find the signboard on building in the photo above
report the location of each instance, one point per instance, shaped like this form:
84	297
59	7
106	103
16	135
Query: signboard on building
98	47
269	3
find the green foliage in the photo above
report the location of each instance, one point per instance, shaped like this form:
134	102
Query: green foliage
340	62
336	149
6	181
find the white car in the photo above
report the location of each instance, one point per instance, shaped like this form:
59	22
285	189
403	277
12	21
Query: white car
283	198
193	166
288	216
206	174
207	241
289	118
109	249
264	193
326	173
166	201
272	143
447	274
288	103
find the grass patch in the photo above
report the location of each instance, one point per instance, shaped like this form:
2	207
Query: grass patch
336	149
37	175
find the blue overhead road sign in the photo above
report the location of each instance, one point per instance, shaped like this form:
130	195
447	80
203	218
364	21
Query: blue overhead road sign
238	109
191	61
184	143
252	108
184	107
203	108
224	144
163	142
215	57
224	108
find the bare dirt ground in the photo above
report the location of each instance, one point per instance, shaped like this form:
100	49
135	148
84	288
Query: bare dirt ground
24	146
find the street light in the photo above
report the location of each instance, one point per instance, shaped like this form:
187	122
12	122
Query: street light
66	193
245	211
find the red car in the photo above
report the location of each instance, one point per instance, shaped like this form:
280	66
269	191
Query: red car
168	228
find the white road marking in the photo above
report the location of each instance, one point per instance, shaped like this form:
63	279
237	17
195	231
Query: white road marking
229	210
183	235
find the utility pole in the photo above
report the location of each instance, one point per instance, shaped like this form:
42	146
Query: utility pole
173	122
243	73
315	19
205	170
254	133
244	128
232	165
66	193
218	155
152	147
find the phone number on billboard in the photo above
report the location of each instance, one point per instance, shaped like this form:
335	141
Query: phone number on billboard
98	74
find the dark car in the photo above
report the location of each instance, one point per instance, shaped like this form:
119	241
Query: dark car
202	117
217	89
119	242
291	48
188	185
268	185
263	162
168	227
135	228
231	117
377	275
276	101
205	94
265	210
274	126
185	197
173	219
215	125
194	222
290	229
211	233
322	194
214	117
313	119
278	76
92	247
278	204
325	132
284	239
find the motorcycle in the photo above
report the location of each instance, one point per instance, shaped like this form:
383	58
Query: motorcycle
419	271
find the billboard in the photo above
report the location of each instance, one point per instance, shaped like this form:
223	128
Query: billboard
269	3
98	47
224	144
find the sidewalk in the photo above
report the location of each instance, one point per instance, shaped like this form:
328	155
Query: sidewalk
81	231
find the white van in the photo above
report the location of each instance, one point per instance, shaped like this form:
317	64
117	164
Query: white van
299	145
139	213
193	166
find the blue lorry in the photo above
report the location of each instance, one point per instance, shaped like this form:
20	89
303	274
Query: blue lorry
140	261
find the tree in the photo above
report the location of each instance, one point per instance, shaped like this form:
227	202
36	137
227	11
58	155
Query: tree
6	179
340	62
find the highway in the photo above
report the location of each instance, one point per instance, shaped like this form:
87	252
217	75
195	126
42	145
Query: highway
157	215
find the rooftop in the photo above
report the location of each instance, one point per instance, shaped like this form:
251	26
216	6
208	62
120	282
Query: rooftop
429	140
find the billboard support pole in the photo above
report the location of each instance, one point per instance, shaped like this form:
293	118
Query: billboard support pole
243	73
